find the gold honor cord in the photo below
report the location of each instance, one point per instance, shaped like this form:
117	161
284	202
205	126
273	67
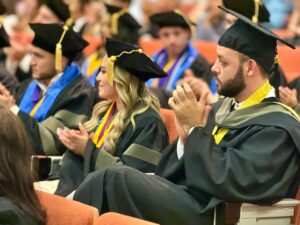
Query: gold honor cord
254	99
256	13
115	20
36	107
111	63
58	50
1	20
101	127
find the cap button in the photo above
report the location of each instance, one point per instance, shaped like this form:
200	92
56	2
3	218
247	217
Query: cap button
113	58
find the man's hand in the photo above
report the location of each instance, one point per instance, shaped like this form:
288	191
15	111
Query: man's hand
288	96
189	112
199	86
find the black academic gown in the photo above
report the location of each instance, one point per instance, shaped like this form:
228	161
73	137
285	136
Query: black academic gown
149	132
12	215
257	161
73	105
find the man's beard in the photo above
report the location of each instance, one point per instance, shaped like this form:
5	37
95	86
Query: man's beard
233	87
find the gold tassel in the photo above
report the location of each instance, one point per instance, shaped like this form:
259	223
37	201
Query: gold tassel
58	49
276	60
110	69
256	13
1	20
58	58
115	21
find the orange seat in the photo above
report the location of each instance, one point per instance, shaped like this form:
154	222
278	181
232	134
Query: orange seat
150	47
94	43
112	218
61	211
289	61
207	49
168	116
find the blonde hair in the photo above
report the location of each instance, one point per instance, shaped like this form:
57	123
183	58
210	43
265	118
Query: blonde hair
136	98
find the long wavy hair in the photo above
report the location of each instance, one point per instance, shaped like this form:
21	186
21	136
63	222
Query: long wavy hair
136	98
16	176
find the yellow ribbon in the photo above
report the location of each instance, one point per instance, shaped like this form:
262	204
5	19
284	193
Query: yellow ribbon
94	63
257	97
101	127
36	107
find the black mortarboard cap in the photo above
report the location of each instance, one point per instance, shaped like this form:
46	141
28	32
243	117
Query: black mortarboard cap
4	39
111	9
171	19
59	8
247	8
251	39
131	58
124	27
2	8
48	35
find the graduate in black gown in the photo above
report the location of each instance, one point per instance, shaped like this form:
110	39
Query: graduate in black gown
245	149
19	204
58	95
178	55
8	80
125	128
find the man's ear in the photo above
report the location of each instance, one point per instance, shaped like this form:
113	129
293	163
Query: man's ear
251	67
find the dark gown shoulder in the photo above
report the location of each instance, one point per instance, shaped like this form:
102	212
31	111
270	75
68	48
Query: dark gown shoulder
10	214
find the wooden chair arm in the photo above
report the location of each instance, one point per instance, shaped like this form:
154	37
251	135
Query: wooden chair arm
228	213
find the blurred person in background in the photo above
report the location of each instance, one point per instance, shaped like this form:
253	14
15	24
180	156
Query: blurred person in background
177	54
211	25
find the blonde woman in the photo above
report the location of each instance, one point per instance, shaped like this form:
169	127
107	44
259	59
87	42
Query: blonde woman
125	128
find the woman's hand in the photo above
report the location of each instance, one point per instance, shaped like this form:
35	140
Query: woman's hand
75	140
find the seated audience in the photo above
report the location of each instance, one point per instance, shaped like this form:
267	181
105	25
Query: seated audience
124	127
178	54
58	95
245	149
118	24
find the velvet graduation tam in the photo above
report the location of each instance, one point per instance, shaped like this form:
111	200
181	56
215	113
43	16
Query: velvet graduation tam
124	27
132	59
48	35
59	8
171	19
4	39
2	8
247	8
252	40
